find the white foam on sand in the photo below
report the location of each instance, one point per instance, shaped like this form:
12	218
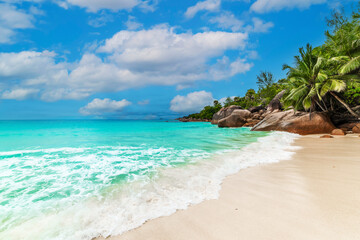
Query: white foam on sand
127	206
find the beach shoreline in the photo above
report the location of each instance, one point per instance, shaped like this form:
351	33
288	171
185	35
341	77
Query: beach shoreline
315	195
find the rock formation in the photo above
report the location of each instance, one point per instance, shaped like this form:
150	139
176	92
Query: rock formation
275	104
237	119
223	113
299	123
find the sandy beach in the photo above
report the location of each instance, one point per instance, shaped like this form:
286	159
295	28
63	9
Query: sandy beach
315	195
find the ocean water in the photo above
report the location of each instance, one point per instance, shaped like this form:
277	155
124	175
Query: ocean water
83	179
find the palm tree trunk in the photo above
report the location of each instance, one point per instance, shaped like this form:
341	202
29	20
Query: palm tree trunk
344	104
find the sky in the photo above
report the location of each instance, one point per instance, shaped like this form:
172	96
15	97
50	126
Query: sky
145	59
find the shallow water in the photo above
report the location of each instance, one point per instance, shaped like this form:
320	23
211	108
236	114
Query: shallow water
82	179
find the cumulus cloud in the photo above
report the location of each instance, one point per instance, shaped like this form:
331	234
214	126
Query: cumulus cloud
19	94
100	107
192	102
31	70
114	5
130	59
162	51
208	5
11	20
263	6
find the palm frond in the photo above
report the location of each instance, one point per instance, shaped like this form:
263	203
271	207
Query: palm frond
350	66
317	67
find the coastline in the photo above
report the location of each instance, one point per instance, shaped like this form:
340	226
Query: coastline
315	195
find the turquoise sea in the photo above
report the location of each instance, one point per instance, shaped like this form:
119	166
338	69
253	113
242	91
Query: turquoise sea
83	179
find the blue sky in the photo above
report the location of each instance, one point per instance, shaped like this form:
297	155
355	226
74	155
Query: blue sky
144	59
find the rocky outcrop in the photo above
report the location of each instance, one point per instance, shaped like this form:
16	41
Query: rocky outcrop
237	119
256	109
299	123
223	113
275	104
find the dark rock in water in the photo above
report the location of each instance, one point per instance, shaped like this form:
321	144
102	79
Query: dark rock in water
299	123
275	104
223	113
338	132
237	119
326	136
356	128
256	109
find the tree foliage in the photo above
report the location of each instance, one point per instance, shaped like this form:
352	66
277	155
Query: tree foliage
265	79
319	76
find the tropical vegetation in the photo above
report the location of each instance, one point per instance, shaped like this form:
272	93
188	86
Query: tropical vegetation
325	78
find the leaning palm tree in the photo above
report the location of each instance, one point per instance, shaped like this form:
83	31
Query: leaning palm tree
304	79
312	79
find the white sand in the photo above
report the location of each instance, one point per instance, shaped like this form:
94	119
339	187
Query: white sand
316	195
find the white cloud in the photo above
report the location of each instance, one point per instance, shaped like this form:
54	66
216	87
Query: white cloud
207	5
131	59
227	20
12	19
224	68
164	52
104	106
19	94
144	102
259	26
114	5
262	6
132	24
193	102
33	67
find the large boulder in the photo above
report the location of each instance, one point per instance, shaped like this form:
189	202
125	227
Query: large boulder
223	113
237	119
275	103
256	109
298	122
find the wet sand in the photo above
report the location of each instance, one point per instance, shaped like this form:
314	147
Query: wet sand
316	195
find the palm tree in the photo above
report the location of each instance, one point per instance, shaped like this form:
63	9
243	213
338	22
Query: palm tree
311	80
304	79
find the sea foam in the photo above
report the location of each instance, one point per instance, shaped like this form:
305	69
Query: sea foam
125	206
